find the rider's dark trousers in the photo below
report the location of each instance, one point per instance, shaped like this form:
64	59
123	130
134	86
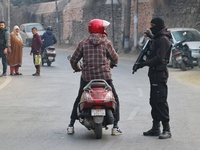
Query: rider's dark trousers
82	85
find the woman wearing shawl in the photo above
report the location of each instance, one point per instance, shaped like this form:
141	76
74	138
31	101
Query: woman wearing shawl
15	57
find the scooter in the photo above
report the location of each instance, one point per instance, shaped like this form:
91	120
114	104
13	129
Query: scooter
48	56
96	107
182	55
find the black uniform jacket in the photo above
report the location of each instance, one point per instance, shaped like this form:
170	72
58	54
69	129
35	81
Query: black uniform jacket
159	57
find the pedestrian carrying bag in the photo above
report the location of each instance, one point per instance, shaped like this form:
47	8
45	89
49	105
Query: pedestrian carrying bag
38	60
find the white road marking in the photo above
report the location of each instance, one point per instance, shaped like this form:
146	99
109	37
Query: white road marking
133	113
140	91
7	80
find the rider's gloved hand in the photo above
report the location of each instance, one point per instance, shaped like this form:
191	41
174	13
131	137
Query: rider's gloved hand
112	65
78	70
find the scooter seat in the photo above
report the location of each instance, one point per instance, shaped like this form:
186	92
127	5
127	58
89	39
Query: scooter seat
98	85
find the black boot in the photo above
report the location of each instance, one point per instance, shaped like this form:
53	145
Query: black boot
154	131
166	131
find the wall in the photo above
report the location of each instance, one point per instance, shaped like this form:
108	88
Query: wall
176	13
74	16
180	13
78	13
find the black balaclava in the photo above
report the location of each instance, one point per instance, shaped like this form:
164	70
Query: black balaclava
159	25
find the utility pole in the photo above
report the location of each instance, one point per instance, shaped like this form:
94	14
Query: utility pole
135	23
57	21
113	24
8	6
127	22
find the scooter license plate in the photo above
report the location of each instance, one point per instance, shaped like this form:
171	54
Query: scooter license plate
50	58
178	58
98	112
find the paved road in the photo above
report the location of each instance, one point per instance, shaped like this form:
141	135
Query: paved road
34	111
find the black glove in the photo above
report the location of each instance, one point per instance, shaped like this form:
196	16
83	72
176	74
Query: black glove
140	65
149	34
113	65
78	70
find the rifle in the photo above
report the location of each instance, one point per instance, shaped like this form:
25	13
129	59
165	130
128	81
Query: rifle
144	52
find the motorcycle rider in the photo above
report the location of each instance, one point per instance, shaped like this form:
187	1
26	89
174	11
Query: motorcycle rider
158	75
98	56
48	38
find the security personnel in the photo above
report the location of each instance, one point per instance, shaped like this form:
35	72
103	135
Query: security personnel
158	76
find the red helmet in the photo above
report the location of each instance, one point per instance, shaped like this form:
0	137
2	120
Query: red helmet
98	26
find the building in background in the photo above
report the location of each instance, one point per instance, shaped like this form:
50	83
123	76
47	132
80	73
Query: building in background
74	16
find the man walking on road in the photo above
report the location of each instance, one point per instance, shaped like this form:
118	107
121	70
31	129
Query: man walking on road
4	46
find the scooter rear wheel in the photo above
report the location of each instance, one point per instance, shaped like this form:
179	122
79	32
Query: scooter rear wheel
183	66
49	63
98	130
174	64
42	62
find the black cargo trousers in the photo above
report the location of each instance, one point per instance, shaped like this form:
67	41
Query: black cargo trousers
158	102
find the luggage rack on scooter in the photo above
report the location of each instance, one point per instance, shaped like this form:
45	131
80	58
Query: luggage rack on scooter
51	47
97	83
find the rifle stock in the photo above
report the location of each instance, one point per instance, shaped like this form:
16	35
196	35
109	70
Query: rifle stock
141	56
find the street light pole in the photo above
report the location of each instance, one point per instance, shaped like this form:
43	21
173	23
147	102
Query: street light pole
57	21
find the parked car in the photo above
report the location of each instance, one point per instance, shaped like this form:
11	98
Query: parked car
192	40
26	32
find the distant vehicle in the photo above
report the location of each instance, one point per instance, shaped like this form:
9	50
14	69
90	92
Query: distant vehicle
182	56
26	32
192	40
48	56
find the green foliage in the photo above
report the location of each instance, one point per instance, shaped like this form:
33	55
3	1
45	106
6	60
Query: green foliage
25	2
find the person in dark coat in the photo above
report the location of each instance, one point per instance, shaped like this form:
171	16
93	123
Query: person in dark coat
158	76
4	46
48	38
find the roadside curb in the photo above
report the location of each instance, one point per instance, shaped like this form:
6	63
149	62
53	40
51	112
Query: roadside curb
4	81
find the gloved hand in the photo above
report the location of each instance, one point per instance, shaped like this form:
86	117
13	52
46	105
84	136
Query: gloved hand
112	65
78	70
140	65
149	34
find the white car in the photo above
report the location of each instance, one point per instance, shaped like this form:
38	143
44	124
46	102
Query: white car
26	32
192	37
